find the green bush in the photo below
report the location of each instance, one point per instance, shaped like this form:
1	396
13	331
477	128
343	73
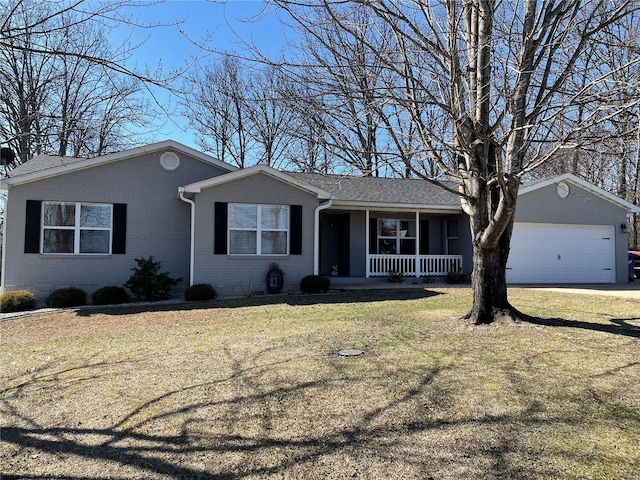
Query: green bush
315	284
429	279
456	277
200	292
149	282
110	295
17	301
66	297
395	277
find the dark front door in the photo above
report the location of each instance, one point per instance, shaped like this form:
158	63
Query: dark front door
335	246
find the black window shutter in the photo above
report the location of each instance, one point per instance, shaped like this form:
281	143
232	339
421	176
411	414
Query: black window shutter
119	237
220	228
32	227
295	246
373	236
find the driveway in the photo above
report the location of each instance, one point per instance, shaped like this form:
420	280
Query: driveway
630	290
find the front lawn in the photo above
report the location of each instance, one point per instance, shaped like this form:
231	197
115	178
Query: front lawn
255	389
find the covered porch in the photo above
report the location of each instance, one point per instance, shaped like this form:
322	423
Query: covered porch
374	243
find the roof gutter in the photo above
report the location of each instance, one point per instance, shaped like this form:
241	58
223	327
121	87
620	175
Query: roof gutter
316	234
192	235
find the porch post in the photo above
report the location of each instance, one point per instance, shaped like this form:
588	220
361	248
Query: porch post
418	272
316	234
367	243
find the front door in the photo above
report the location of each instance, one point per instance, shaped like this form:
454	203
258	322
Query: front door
335	250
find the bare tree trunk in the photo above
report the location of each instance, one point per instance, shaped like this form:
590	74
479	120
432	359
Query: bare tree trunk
489	283
486	86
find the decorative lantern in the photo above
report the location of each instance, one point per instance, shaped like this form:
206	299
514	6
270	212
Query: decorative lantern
275	279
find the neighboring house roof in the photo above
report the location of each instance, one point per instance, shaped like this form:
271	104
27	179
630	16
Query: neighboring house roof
570	178
45	166
378	192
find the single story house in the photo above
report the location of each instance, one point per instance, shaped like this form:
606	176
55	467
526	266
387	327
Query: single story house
83	222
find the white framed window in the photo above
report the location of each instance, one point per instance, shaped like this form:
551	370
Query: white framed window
74	228
396	236
256	229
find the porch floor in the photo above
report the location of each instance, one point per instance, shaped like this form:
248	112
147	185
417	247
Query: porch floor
362	283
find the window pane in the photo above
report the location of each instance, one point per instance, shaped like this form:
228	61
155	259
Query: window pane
59	214
386	246
58	241
243	216
274	243
407	228
94	241
274	216
242	242
95	216
388	228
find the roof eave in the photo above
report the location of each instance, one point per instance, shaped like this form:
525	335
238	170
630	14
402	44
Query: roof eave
114	157
385	206
569	177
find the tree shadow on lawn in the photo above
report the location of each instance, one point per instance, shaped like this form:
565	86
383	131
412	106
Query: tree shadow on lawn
352	296
371	437
618	326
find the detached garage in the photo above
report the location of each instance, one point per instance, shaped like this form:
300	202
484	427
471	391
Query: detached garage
568	231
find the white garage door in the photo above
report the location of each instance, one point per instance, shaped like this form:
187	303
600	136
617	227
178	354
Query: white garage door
553	253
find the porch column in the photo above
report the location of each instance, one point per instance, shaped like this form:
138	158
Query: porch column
418	272
316	234
367	243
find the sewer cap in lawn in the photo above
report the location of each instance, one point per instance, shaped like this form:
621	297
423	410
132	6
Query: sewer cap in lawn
350	353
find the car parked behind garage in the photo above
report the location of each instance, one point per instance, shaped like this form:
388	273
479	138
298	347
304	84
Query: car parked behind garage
634	270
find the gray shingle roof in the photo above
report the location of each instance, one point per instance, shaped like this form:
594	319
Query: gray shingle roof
40	163
373	190
380	190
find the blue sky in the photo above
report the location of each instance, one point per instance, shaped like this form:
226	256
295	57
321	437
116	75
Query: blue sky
228	25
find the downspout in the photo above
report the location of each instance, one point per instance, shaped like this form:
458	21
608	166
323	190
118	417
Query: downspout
3	271
316	233
193	231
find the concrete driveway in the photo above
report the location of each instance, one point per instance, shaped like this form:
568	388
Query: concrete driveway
630	290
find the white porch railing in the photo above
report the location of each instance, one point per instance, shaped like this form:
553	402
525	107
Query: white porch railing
382	265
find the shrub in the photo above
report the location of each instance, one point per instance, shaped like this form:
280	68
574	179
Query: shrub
395	277
429	279
110	295
315	284
66	297
456	277
149	282
17	301
200	292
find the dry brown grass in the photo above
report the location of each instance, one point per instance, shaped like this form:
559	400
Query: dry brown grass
255	389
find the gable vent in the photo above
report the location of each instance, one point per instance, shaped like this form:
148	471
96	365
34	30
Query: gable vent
169	161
